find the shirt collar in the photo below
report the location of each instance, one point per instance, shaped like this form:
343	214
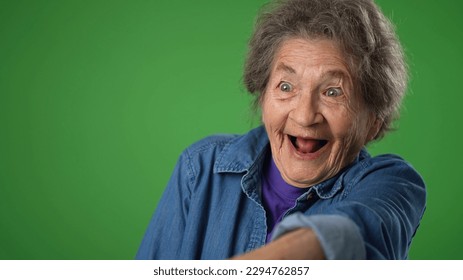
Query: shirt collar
241	153
328	188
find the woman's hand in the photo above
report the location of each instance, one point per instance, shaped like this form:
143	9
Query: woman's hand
300	244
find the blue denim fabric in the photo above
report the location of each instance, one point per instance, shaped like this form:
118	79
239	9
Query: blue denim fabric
212	209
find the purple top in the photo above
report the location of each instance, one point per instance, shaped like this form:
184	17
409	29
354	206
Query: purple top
277	195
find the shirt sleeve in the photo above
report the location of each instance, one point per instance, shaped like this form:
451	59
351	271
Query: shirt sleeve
164	237
375	215
339	237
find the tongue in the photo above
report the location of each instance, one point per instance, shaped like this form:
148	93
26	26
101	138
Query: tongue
306	145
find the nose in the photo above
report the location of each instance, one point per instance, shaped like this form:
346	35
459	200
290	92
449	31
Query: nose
306	111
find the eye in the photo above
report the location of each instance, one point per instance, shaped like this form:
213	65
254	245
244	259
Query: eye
285	87
333	92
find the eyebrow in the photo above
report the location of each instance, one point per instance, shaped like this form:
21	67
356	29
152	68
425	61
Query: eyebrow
335	74
327	75
286	68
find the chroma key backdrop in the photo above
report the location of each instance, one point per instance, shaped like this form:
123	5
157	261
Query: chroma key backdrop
98	99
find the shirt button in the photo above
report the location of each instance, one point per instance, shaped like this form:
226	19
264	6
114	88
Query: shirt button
309	196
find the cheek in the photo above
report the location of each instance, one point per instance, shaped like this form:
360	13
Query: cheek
348	135
271	113
264	108
341	122
351	131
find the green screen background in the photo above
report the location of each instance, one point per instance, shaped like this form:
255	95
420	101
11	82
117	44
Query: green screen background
98	99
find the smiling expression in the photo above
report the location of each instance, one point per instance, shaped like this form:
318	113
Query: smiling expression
315	120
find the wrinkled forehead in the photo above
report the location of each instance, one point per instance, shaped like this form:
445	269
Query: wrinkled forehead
319	58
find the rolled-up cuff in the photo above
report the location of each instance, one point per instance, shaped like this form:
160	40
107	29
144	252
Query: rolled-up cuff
339	236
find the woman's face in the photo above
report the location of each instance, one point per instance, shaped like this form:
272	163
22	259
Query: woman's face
315	121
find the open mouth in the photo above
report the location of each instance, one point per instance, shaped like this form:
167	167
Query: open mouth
307	145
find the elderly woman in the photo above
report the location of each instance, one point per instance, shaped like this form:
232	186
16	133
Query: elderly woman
329	77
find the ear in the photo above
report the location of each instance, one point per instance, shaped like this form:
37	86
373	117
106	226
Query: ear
262	115
260	106
374	129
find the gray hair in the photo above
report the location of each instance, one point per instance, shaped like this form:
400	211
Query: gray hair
365	35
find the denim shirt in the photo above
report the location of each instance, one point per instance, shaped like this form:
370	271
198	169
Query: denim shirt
212	208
